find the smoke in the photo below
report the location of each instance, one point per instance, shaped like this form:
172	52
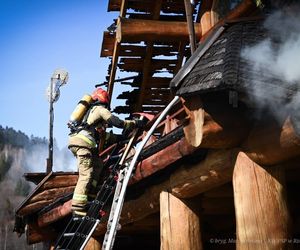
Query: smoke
13	187
277	56
35	160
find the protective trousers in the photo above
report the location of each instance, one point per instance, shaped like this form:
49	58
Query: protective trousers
89	169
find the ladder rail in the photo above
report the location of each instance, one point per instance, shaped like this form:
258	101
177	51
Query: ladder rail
117	211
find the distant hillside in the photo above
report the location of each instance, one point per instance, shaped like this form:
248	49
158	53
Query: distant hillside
20	153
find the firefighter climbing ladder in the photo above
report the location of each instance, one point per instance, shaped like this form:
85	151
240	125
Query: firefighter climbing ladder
79	230
119	197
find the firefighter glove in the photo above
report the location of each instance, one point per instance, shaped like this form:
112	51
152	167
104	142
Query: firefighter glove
140	123
129	125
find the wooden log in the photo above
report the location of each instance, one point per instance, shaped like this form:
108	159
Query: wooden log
55	214
215	170
136	65
60	181
108	43
137	51
262	216
31	208
205	16
194	130
179	223
35	234
130	30
272	143
94	243
51	194
215	124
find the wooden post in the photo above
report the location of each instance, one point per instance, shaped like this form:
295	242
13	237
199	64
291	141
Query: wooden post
179	223
262	216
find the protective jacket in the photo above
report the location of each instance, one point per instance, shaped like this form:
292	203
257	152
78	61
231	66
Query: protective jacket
97	120
83	144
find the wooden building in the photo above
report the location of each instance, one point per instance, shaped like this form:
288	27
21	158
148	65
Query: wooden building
221	171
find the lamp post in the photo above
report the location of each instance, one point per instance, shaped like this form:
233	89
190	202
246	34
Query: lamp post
59	78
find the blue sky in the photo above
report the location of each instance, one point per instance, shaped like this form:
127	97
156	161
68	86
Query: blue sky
37	37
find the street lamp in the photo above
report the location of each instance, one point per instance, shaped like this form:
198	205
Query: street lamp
59	78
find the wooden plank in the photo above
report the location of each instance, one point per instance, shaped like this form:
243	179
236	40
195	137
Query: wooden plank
136	50
262	216
114	5
115	56
148	66
179	223
180	56
108	43
161	17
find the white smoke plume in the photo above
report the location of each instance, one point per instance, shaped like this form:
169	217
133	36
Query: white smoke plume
280	59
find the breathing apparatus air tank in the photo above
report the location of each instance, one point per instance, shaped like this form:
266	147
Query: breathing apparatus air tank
80	110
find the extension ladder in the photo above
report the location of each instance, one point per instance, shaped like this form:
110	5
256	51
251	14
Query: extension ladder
80	229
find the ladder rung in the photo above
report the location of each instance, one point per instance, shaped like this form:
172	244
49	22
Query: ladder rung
69	234
77	218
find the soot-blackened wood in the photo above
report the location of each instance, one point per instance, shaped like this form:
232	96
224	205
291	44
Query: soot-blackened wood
162	143
262	215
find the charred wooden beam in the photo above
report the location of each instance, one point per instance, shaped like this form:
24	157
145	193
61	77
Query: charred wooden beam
115	57
178	18
151	30
175	7
135	50
137	66
148	64
262	216
149	92
108	43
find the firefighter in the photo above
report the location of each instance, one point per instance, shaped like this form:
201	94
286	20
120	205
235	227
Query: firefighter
83	143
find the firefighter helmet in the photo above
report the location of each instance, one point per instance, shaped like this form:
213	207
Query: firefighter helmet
100	95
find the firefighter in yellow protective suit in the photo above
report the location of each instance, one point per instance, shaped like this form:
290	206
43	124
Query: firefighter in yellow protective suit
83	144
